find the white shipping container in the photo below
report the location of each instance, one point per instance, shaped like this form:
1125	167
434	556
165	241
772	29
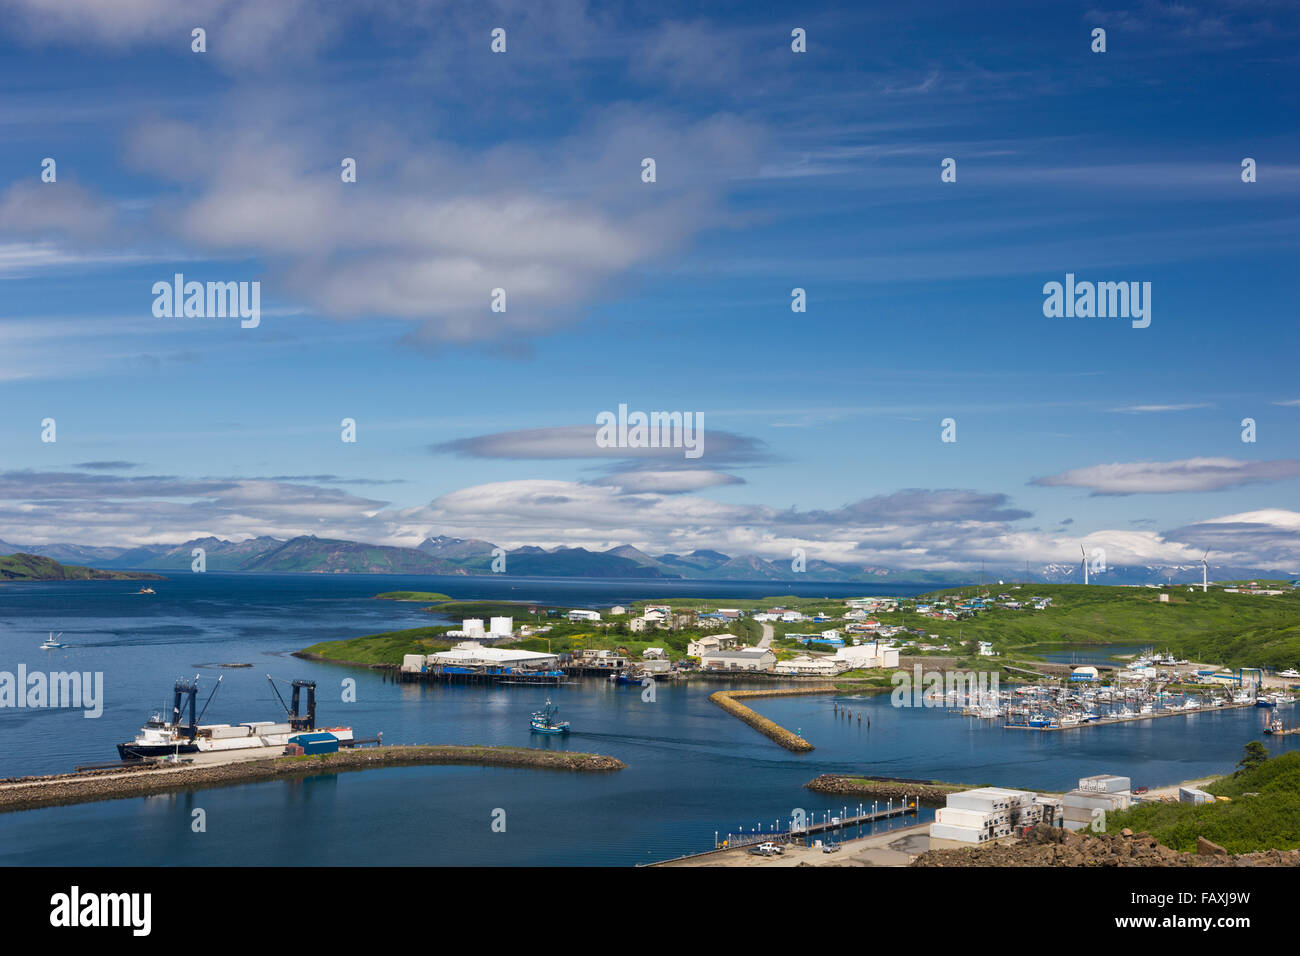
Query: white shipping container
274	729
1105	783
944	831
968	818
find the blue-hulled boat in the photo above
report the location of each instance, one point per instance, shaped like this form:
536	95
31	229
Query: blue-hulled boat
544	722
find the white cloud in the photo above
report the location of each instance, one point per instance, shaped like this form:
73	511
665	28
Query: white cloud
1167	477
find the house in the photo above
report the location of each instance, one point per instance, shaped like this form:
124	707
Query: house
985	649
654	654
742	659
711	643
618	609
606	660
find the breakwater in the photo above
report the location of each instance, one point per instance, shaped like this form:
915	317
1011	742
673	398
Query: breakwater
729	700
930	793
29	793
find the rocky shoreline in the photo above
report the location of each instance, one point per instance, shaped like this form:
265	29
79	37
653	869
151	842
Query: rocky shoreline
729	700
1047	846
29	793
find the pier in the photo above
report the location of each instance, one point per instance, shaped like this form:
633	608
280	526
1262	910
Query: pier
1109	720
798	836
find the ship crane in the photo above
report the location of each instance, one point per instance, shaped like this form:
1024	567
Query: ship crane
296	721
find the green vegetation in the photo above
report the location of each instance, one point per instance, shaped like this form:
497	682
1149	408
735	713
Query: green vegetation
386	648
1233	630
429	597
32	567
1262	812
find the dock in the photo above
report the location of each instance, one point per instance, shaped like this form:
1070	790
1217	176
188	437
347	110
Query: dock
797	837
1110	721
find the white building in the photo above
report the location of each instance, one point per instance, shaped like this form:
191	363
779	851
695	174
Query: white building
805	666
870	655
711	643
742	659
581	615
475	655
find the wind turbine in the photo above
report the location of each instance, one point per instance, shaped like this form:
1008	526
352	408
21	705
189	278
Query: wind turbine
1085	563
1205	573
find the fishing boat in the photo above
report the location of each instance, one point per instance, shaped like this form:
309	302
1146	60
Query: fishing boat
51	643
1040	720
544	722
1273	726
626	677
1125	712
1263	700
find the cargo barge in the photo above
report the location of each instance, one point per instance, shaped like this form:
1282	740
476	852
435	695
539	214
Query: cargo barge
176	737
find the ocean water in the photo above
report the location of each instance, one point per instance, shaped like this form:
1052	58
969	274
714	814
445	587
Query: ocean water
692	770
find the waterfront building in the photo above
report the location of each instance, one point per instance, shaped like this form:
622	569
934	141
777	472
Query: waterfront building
742	659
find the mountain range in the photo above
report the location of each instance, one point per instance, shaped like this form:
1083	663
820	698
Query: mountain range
472	556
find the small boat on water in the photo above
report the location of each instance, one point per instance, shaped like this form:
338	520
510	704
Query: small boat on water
1289	672
544	722
51	643
146	591
1263	700
1273	726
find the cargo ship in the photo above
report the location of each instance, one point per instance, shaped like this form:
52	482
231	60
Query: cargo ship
161	737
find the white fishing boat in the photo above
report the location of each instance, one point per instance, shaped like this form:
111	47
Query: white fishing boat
51	643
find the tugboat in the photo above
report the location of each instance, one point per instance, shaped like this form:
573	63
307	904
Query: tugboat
544	722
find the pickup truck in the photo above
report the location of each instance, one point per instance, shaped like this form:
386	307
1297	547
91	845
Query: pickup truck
769	849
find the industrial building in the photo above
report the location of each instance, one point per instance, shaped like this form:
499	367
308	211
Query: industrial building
473	655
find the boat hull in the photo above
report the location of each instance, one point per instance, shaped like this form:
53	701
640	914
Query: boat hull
551	730
134	751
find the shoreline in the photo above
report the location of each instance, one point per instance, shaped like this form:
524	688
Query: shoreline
31	793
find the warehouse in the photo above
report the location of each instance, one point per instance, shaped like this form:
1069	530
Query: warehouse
473	654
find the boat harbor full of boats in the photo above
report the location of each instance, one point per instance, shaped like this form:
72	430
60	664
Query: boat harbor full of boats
171	737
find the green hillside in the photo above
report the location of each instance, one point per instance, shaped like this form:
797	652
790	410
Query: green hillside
1262	813
31	567
1215	627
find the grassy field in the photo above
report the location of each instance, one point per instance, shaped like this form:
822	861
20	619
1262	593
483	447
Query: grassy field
1215	627
386	648
1269	820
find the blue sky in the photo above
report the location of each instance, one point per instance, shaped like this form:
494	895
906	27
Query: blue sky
775	170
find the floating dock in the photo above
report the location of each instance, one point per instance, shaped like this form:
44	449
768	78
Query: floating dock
1109	721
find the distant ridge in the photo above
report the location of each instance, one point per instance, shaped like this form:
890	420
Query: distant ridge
441	554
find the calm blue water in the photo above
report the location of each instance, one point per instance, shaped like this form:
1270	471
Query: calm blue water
692	770
1086	654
